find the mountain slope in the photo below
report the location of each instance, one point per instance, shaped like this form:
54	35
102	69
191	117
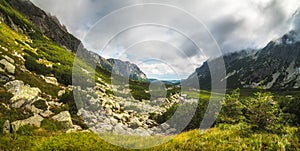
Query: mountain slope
52	28
275	66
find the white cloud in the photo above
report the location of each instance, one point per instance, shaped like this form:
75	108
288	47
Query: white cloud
235	25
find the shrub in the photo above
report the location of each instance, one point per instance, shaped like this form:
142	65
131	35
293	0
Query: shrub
26	130
32	65
231	111
41	104
262	112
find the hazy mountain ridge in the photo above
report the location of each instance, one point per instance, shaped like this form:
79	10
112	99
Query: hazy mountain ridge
275	66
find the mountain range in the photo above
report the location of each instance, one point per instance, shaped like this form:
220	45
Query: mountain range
276	66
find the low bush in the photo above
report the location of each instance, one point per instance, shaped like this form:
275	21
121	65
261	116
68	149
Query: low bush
32	65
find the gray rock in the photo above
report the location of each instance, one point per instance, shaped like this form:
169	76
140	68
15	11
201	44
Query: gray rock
61	92
113	121
33	109
164	126
51	80
119	129
9	59
6	127
3	78
74	129
8	66
22	93
34	120
46	113
64	117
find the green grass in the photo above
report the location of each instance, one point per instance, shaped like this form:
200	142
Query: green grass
224	137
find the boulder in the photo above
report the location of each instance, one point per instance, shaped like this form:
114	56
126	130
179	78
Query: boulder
22	93
9	59
46	113
65	118
8	66
6	127
35	120
51	80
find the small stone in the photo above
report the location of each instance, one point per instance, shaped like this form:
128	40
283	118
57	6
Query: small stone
51	80
6	127
8	66
60	93
46	113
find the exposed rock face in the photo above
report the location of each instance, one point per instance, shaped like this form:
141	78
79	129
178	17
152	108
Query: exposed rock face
65	118
8	66
276	66
34	120
126	69
23	94
49	25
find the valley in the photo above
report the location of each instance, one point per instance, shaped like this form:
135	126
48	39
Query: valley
53	98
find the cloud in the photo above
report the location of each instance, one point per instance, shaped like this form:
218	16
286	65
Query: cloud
235	25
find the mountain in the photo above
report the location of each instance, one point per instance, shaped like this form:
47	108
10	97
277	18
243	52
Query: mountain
40	86
276	66
53	29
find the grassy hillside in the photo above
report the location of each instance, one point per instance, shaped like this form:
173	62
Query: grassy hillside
246	122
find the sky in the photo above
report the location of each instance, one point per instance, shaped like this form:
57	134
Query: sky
169	39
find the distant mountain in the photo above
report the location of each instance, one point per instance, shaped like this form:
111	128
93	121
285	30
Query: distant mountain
126	69
53	29
169	82
276	66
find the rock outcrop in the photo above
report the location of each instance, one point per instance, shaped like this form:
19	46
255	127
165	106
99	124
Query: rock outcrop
65	118
35	120
23	94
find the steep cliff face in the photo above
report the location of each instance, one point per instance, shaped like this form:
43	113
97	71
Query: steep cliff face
50	26
276	66
126	69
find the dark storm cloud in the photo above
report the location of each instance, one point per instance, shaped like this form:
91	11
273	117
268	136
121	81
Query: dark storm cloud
235	25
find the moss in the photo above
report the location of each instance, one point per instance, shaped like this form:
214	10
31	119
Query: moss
52	126
41	104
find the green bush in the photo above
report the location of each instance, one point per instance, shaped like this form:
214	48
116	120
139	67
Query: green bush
262	112
26	130
231	111
41	104
32	65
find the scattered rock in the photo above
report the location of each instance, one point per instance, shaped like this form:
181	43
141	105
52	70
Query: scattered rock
64	117
51	80
33	109
74	129
35	120
165	126
8	66
22	93
61	92
3	78
46	113
6	127
9	59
